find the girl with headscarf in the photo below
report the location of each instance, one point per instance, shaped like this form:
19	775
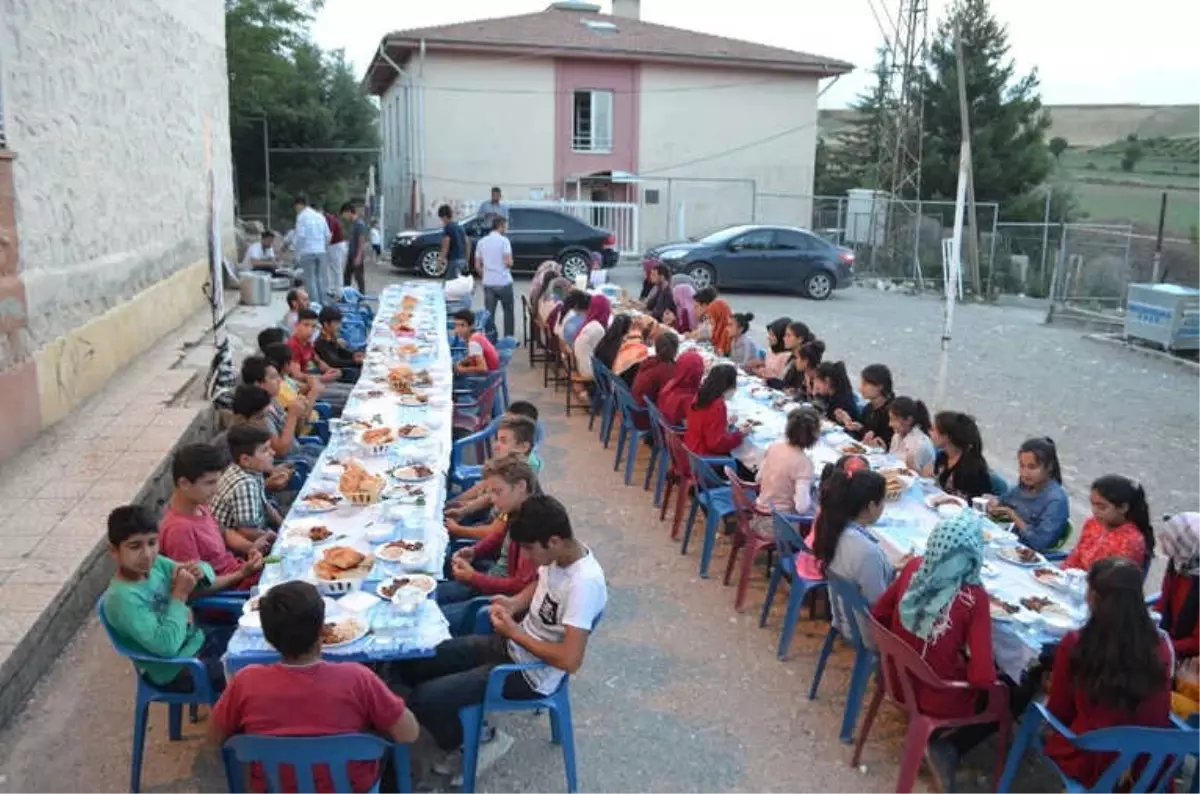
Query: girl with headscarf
1179	540
684	317
541	277
721	327
550	305
575	307
634	349
595	324
680	391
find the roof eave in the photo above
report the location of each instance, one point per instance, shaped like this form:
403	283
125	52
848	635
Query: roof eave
401	47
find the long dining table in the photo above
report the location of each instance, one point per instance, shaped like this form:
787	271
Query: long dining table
409	509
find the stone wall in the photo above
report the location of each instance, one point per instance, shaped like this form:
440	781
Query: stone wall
106	106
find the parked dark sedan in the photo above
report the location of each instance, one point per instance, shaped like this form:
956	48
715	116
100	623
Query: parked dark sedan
767	257
536	233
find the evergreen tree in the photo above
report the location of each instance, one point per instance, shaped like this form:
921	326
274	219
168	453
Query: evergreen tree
851	158
1008	124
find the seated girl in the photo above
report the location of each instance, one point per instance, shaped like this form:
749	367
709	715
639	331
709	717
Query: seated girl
909	420
1114	671
875	426
609	344
960	467
1179	539
831	386
849	504
794	379
772	367
635	348
575	307
595	324
680	391
684	317
708	432
785	477
1119	525
1037	505
654	373
742	350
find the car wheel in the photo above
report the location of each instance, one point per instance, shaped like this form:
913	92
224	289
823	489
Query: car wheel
703	276
574	264
819	286
430	263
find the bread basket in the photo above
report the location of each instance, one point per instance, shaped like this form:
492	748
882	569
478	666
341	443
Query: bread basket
364	496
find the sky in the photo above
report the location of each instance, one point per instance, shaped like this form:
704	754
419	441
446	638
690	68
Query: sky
1084	53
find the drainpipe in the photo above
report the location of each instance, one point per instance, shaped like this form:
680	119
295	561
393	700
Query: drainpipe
405	80
421	125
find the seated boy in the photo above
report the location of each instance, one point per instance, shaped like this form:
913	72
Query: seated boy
261	372
252	406
514	439
146	601
240	503
189	533
332	350
481	357
494	565
302	695
305	355
560	610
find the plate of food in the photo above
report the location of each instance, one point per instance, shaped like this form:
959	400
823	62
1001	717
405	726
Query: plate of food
412	431
947	506
360	486
414	399
412	472
337	633
1051	577
1001	609
313	530
405	552
342	568
1021	555
406	494
853	448
321	502
408	587
377	440
1044	606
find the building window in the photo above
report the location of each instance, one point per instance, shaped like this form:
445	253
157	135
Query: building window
592	121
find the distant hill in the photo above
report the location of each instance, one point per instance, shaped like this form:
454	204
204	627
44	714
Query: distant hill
1089	125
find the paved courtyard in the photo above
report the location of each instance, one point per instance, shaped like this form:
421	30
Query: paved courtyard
679	693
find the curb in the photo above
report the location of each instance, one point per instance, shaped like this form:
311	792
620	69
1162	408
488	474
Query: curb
1116	340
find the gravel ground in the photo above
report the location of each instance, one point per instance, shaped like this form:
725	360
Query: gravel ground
679	693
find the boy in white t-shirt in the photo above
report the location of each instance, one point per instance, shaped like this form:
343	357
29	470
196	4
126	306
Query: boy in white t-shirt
560	610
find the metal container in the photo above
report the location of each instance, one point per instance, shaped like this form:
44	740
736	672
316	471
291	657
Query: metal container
256	289
1165	314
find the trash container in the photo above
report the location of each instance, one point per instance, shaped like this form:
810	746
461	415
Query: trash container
1165	314
256	289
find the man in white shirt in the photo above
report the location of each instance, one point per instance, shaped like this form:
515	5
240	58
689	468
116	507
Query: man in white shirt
560	611
493	262
260	256
309	240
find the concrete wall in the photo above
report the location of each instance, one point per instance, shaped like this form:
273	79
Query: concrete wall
499	132
105	107
711	117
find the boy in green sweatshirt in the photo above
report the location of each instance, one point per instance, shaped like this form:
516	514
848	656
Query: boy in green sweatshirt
146	601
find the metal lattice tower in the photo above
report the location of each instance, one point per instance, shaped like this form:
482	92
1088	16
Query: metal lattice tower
899	167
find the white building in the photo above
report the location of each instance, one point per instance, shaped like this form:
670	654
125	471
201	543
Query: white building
571	103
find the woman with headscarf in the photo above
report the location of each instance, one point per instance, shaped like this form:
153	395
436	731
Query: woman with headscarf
541	277
680	391
595	325
550	303
721	326
634	348
1179	539
684	317
937	605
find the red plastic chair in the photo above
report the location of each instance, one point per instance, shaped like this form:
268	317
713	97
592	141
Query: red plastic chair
680	477
746	536
902	668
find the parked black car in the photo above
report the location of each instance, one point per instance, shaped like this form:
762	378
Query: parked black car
770	257
536	233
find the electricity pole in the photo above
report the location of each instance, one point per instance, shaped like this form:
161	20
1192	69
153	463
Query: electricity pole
965	122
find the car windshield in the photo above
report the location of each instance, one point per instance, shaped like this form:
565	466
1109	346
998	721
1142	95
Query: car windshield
723	235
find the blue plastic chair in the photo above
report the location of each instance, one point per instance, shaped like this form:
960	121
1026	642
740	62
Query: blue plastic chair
603	403
787	542
464	475
505	347
629	434
303	753
558	705
714	495
660	458
849	603
1193	723
147	693
1163	751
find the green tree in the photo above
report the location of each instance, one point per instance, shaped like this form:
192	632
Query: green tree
851	158
1134	152
1058	145
1008	123
308	98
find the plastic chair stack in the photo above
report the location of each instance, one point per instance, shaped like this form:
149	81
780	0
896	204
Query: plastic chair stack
300	755
787	543
746	538
850	605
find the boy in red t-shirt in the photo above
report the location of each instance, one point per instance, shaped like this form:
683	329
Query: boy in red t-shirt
481	357
303	695
188	531
303	349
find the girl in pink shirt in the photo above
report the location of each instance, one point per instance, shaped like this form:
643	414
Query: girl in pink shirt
786	474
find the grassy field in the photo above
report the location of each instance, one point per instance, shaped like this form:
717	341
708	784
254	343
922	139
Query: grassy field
1138	204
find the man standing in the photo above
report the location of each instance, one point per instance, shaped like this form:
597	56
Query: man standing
335	257
309	240
357	247
490	210
493	261
453	253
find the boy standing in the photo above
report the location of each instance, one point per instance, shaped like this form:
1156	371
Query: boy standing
481	357
240	502
302	695
560	610
189	533
146	601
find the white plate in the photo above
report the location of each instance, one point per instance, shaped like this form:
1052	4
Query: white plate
406	474
251	622
1056	581
389	553
412	401
302	527
309	507
1009	555
415	433
932	500
417	583
360	630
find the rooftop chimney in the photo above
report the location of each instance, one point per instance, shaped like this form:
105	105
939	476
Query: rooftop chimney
629	9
